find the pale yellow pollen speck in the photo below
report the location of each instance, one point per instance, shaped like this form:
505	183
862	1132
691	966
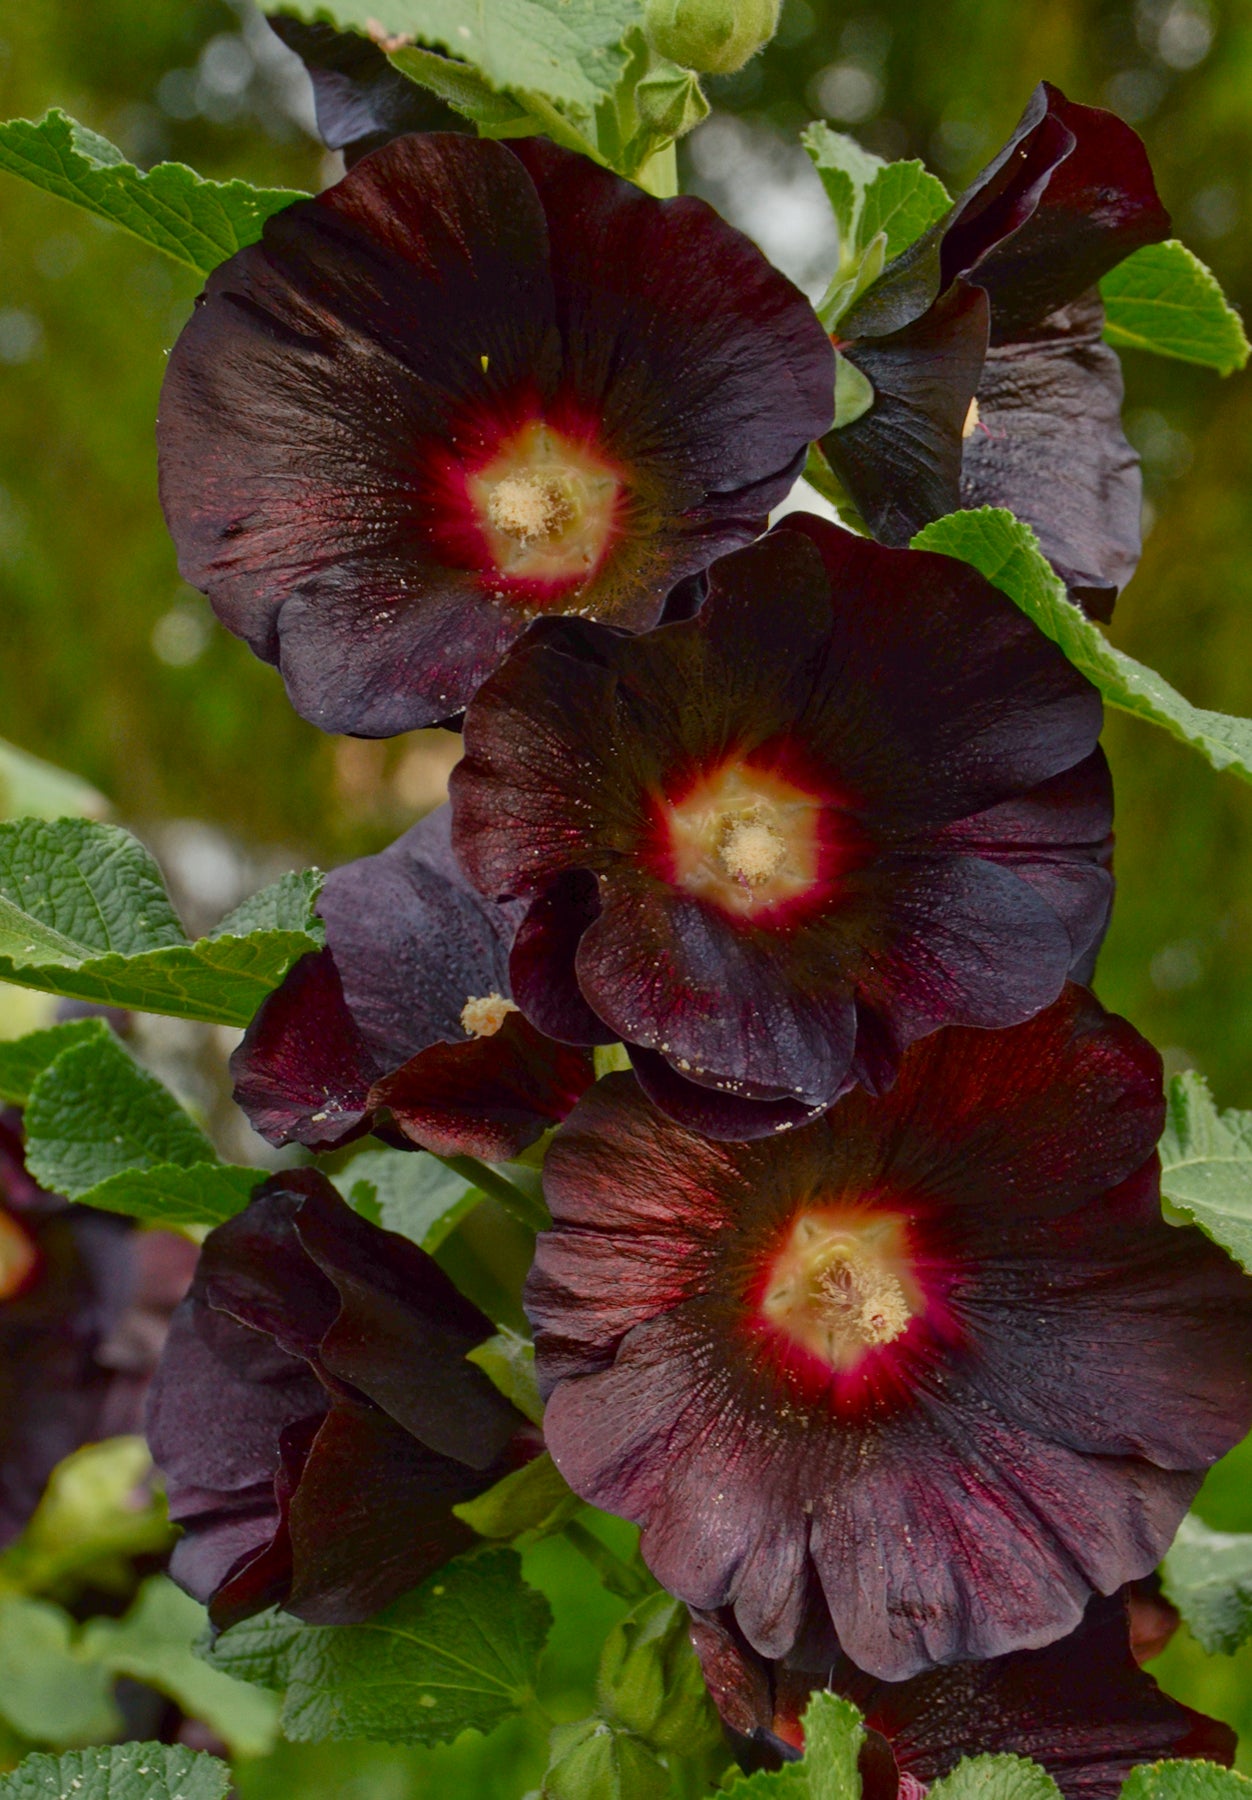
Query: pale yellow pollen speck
865	1300
529	507
751	850
483	1017
971	420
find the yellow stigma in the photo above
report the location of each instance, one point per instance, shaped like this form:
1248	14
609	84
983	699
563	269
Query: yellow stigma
483	1017
842	1284
751	849
971	420
529	508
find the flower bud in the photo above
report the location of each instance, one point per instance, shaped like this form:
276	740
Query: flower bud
669	100
593	1760
715	36
650	1680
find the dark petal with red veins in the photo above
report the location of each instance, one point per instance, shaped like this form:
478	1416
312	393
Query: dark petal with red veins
489	1097
1050	446
303	1071
731	1118
541	964
371	1517
362	102
901	461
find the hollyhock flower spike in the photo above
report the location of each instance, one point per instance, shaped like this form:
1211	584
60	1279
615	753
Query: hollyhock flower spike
314	1414
84	1302
857	797
473	384
992	384
1081	1706
405	1023
934	1359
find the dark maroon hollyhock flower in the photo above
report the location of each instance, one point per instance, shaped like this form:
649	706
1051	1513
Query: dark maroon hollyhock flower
406	1016
992	384
85	1300
315	1416
1081	1706
935	1356
361	101
857	797
470	385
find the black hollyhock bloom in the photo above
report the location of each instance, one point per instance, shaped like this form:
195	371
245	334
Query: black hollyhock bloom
857	797
472	384
314	1414
361	101
405	1020
935	1357
85	1299
1082	1707
992	384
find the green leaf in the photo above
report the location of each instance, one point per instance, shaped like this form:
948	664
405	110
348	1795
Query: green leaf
458	1653
197	222
50	1690
1164	299
31	787
594	1760
854	392
1190	1780
846	172
154	1644
903	199
24	1059
285	905
568	50
83	912
101	1129
1208	1576
119	1772
91	1522
1206	1165
996	1778
833	1734
533	1499
1007	552
508	1360
464	90
407	1192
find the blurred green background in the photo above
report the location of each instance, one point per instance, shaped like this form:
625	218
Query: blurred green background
112	668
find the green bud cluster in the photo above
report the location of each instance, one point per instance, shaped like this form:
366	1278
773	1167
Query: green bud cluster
714	36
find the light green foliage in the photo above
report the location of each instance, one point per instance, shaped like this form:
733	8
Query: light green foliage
568	51
1164	299
854	392
98	1512
833	1734
1208	1576
153	1644
197	222
509	1360
528	1502
32	788
1185	1781
119	1772
459	1652
465	91
593	1760
24	1059
101	1129
83	912
407	1192
650	1680
1206	1165
996	1778
52	1690
1007	552
903	200
717	37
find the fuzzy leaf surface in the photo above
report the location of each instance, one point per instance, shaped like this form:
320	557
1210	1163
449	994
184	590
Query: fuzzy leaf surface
84	913
460	1652
1208	1576
996	1778
1007	552
903	199
567	50
408	1192
833	1734
1206	1165
1164	299
197	222
1185	1780
23	1060
119	1772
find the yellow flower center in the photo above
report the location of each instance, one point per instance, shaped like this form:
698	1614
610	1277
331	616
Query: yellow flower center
842	1284
547	506
745	838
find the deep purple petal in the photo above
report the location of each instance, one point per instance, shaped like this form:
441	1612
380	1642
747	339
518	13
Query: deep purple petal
361	100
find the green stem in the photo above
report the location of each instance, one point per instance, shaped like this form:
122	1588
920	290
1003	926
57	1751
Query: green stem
819	474
524	1207
617	1576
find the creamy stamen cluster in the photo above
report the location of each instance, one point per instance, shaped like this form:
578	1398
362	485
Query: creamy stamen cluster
842	1284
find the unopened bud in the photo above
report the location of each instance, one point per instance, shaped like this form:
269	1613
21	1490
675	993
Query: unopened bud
669	100
650	1679
714	36
593	1760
